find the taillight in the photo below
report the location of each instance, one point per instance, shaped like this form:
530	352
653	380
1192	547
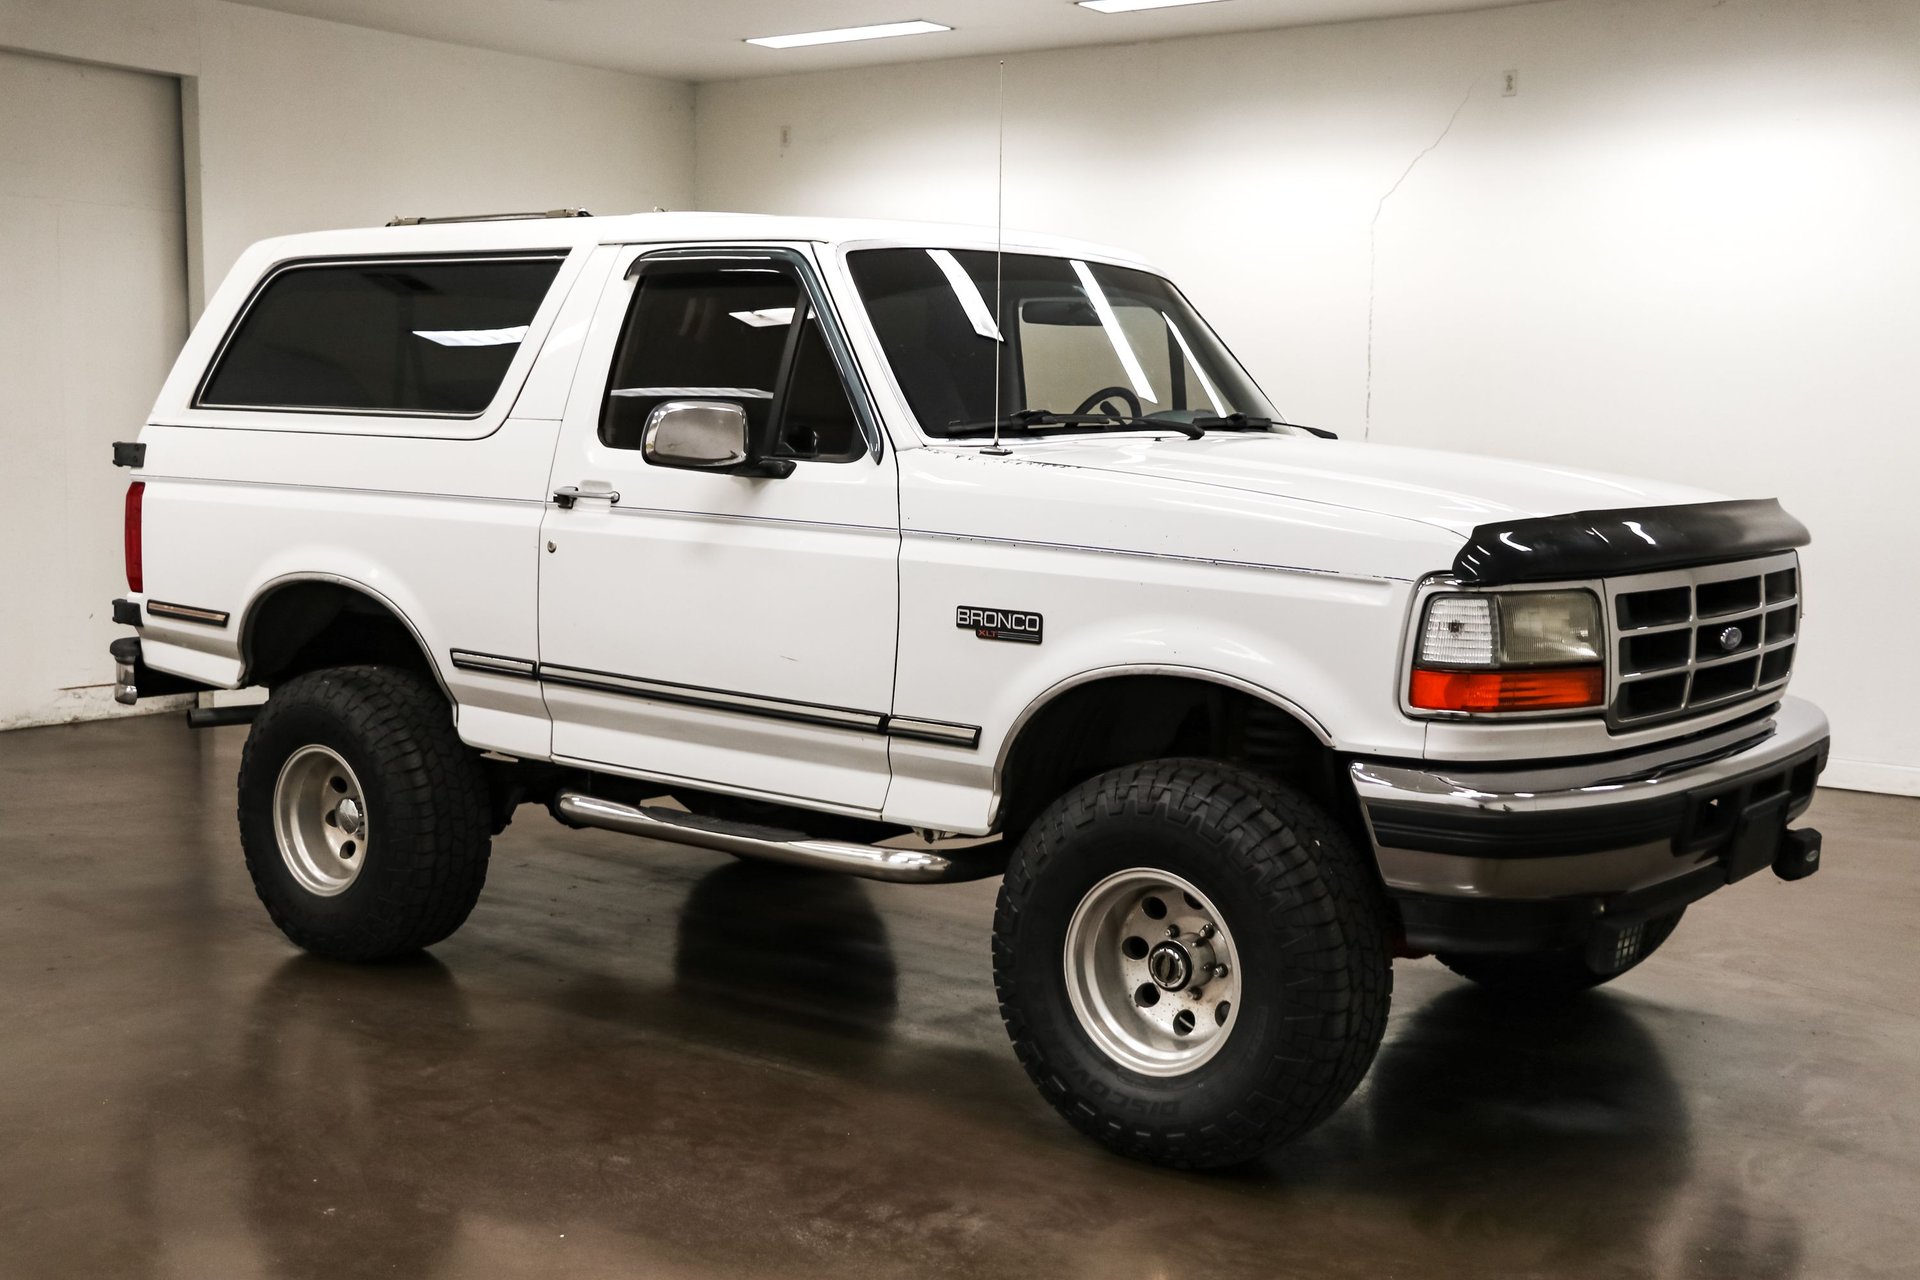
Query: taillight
136	498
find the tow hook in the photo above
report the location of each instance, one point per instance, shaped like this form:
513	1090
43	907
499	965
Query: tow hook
1799	855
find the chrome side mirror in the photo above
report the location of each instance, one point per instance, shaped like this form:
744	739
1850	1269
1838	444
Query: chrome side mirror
702	434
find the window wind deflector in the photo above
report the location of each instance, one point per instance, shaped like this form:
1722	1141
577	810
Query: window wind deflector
708	393
670	262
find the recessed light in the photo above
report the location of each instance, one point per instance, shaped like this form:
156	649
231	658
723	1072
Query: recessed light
1129	6
839	35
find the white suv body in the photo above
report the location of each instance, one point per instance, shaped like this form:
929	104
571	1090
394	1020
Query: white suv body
871	635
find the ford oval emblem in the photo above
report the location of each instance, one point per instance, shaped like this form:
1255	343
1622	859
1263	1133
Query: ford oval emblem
1731	637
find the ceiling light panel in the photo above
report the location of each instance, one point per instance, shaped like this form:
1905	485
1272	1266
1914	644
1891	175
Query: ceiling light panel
1133	6
842	35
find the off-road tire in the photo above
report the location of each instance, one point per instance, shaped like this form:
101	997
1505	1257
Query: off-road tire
428	812
1546	975
1309	921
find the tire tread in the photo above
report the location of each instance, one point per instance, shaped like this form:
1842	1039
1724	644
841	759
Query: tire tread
1302	863
436	797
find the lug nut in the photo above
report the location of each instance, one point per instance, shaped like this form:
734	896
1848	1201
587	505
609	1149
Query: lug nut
1173	931
1206	931
1219	971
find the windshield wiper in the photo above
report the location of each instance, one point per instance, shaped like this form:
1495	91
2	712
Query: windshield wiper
1035	421
1247	422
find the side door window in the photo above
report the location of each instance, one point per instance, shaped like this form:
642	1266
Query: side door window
747	332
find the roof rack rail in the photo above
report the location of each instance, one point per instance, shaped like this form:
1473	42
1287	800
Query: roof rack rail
490	217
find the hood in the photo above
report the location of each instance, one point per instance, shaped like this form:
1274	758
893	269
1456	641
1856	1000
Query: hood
1450	491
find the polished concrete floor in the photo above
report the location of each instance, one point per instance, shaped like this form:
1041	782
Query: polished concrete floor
642	1061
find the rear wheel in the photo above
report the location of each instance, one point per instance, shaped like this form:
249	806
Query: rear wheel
1192	961
364	819
1546	974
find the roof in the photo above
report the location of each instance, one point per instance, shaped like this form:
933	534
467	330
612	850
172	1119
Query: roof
644	228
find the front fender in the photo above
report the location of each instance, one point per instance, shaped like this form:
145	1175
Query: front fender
1323	647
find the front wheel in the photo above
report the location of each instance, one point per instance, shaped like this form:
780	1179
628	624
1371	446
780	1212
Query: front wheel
364	818
1192	961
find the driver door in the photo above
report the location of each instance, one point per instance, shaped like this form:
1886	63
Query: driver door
731	631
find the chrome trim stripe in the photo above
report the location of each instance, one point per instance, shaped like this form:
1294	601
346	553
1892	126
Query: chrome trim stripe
1145	555
953	735
730	517
714	699
943	732
493	664
187	613
151	477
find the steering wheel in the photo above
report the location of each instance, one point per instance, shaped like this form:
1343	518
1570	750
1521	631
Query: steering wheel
1109	393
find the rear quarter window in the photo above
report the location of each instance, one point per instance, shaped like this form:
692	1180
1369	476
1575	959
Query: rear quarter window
412	336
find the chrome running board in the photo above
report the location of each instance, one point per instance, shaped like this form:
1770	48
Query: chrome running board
871	861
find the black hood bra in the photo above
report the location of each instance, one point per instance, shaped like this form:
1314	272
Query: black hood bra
1599	544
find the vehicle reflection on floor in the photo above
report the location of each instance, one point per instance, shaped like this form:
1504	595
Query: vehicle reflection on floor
647	1061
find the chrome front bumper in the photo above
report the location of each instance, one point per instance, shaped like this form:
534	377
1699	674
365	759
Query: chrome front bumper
1693	815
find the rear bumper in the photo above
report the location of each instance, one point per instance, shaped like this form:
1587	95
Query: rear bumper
1526	858
133	679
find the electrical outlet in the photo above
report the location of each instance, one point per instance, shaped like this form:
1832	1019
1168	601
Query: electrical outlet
1509	84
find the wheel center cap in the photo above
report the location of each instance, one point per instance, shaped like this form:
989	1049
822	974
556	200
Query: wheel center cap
1170	966
349	815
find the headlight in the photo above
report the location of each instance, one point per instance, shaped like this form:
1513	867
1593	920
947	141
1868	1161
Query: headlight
1510	651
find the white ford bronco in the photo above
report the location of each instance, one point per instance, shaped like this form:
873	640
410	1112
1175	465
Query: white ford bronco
914	553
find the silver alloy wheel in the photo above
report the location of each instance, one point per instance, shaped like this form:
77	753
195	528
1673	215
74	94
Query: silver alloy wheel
1152	972
320	820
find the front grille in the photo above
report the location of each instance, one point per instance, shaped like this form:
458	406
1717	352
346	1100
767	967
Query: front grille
1694	640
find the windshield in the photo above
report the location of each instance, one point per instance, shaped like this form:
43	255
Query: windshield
1072	337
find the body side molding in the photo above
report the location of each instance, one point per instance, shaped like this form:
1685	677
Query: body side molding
942	732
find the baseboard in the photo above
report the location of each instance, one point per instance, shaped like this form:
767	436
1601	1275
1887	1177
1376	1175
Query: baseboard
1871	775
91	702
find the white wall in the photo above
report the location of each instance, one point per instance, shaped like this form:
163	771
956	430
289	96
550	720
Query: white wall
294	124
93	281
290	124
305	124
1686	248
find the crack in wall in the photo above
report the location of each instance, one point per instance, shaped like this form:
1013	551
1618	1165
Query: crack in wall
1373	247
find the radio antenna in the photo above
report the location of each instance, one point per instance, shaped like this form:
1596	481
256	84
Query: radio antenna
999	251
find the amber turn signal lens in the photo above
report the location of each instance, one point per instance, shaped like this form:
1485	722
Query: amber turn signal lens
1543	689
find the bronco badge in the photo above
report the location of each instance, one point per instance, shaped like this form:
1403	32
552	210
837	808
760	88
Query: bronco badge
999	624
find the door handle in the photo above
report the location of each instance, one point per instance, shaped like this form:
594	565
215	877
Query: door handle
568	494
